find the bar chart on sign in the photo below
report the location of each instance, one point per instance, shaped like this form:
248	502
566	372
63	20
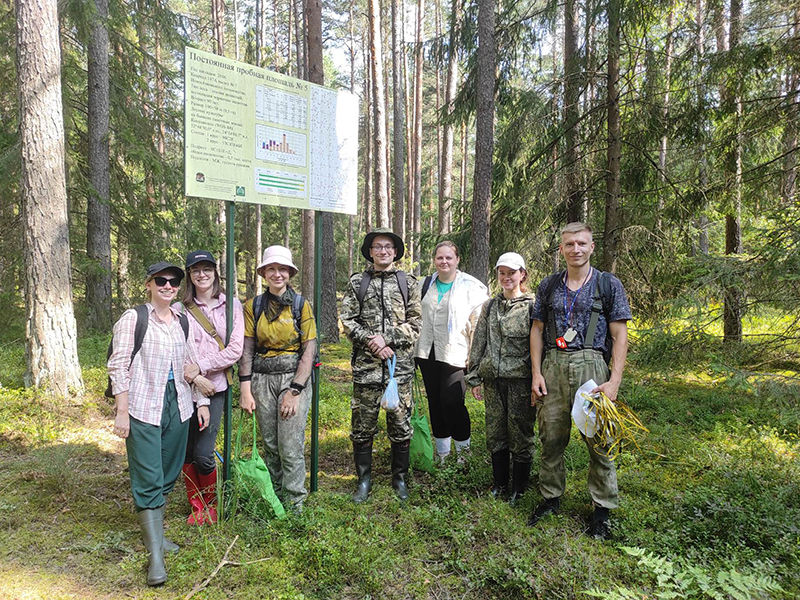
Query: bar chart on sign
281	146
283	108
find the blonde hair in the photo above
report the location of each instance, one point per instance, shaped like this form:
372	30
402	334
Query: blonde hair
575	227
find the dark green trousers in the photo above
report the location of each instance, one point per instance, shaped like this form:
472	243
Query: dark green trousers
156	453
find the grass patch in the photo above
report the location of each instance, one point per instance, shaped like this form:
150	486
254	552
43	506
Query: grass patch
715	489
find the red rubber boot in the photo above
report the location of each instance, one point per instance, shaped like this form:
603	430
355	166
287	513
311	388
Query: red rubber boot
192	480
208	486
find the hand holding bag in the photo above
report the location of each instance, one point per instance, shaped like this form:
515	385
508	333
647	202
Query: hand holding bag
391	395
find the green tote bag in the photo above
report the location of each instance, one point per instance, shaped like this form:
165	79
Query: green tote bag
252	474
421	449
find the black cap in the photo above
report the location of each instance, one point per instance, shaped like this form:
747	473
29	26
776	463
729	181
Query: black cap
199	256
164	266
398	242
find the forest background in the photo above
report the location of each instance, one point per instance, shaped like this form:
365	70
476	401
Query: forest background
670	126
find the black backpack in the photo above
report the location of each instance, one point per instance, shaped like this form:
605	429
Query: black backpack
142	320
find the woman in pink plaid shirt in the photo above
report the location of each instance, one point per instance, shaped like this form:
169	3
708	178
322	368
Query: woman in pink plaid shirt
154	403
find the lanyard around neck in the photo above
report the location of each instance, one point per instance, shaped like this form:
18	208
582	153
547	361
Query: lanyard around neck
568	311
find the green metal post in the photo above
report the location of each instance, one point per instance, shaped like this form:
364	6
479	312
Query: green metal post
230	294
317	313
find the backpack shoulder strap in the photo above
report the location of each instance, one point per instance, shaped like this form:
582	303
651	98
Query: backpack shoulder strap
258	310
366	277
547	305
142	319
402	282
184	321
425	285
597	306
297	311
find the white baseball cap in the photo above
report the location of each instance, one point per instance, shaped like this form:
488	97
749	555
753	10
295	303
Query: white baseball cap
512	260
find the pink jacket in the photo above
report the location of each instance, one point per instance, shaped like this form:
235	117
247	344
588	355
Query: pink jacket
211	359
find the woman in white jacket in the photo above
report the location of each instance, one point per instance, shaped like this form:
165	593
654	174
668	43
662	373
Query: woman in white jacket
451	304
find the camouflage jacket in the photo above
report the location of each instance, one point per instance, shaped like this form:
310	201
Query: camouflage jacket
501	342
384	313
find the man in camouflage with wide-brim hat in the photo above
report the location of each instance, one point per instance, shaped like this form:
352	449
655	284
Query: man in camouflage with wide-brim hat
382	316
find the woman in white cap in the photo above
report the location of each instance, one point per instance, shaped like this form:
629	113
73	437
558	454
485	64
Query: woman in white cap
279	348
150	347
500	373
451	303
206	305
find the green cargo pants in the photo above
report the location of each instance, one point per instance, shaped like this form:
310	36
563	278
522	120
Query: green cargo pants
284	439
510	418
564	373
366	405
156	453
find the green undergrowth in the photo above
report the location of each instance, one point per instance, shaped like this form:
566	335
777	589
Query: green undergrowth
712	496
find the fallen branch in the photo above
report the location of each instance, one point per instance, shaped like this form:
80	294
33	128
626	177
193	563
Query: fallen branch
223	563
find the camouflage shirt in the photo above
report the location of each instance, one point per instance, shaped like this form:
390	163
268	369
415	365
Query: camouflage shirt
384	313
501	342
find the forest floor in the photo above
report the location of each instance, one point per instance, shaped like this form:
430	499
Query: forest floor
711	501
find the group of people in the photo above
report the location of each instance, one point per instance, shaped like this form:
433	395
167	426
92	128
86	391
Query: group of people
523	356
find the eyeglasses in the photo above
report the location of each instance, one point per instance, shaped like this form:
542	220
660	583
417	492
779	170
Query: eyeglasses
385	247
173	281
204	270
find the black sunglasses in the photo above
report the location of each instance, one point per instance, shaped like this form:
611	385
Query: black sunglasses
173	281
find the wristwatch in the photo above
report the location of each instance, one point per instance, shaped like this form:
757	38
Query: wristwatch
296	388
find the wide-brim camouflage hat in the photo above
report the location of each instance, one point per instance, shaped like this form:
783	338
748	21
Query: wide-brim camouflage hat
398	242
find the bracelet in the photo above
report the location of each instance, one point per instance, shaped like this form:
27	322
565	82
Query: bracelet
296	386
243	378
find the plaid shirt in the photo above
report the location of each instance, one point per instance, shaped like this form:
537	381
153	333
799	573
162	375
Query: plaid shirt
145	379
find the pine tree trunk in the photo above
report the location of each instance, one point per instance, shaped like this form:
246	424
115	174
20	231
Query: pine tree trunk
123	268
571	103
329	316
98	217
702	222
484	142
368	146
381	177
613	224
662	151
51	333
398	120
417	133
733	297
446	175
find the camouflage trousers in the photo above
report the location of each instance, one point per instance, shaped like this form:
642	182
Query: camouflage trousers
366	405
510	418
564	373
284	439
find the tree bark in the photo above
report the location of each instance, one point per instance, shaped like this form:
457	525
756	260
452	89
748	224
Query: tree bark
700	42
572	83
50	333
662	151
381	177
366	204
613	226
417	133
446	175
329	316
98	210
732	313
398	120
484	142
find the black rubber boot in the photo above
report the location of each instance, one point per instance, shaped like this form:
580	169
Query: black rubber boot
362	454
152	524
500	473
519	482
549	507
600	527
400	458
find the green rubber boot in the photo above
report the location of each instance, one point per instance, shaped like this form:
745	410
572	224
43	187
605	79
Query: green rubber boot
152	524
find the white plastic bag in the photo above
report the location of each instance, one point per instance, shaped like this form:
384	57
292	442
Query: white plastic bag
583	412
391	395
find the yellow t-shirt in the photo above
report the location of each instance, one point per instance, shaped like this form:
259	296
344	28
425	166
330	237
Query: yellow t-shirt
280	336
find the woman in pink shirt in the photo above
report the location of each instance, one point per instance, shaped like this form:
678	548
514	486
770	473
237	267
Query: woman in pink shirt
154	403
205	304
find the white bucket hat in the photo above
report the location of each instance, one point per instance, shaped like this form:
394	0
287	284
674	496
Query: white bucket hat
277	255
512	260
